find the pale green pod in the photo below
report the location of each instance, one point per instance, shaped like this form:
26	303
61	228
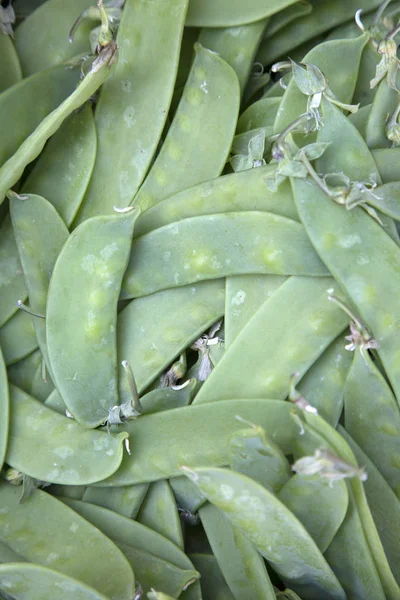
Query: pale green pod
125	500
55	402
372	417
159	512
183	314
322	386
23	581
12	283
23	372
72	545
252	453
216	13
383	106
241	565
244	191
75	456
4	410
157	457
42	38
387	162
272	528
62	171
142	84
236	45
263	243
191	153
42	384
188	496
17	337
244	295
349	557
40	234
10	67
213	584
286	335
259	114
318	504
165	398
386	199
360	118
286	16
9	556
94	258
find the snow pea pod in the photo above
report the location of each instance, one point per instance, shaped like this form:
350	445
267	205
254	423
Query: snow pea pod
264	243
183	314
386	198
244	295
40	234
372	417
46	531
213	584
259	114
23	581
236	45
215	13
41	388
32	146
166	398
22	372
149	39
286	16
190	153
156	457
359	119
318	504
17	337
387	162
4	410
349	557
242	567
159	512
12	283
272	528
41	39
95	255
384	505
188	496
61	173
244	191
125	500
28	94
323	384
74	456
252	453
342	81
296	338
384	104
10	68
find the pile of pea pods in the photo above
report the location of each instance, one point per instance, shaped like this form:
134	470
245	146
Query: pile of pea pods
199	300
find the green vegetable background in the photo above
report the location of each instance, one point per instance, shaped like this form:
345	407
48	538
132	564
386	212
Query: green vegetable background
199	300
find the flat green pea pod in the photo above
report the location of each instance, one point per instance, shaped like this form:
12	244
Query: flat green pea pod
157	457
236	45
215	13
244	191
17	338
259	114
349	557
252	453
42	384
166	398
241	565
213	584
323	384
286	16
4	410
296	336
95	255
10	68
22	372
360	118
190	153
12	283
272	528
28	94
125	500
386	199
24	581
75	456
187	495
384	105
70	491
40	234
149	39
98	563
318	504
384	505
342	82
155	559
372	416
155	595
387	162
183	314
32	146
264	243
159	512
61	173
244	295
42	39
